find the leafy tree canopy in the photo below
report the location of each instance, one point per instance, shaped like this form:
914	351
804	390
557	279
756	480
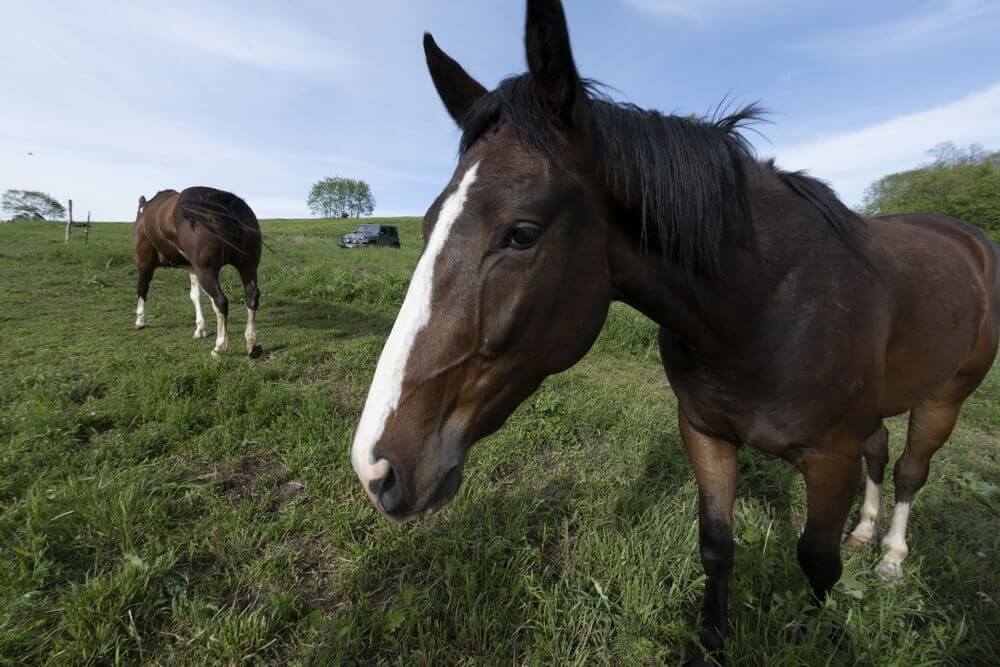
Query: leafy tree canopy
340	198
32	205
960	182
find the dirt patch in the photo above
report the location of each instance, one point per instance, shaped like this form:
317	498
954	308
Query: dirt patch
91	426
505	472
238	477
258	478
318	574
85	391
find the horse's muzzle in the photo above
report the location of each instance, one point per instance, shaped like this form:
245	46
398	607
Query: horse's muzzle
396	498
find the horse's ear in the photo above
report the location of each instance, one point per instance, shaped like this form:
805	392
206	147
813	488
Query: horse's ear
550	58
142	203
457	89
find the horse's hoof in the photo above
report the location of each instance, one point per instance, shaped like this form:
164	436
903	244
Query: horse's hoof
200	333
138	326
255	352
889	571
218	353
853	541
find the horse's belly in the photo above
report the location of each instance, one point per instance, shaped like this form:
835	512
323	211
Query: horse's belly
175	258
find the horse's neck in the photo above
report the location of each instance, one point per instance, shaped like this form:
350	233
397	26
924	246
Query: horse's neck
662	293
709	314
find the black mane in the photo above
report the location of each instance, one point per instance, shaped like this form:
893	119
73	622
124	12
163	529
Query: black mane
684	176
825	200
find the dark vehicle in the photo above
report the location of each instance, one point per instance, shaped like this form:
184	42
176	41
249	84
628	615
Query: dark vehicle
371	235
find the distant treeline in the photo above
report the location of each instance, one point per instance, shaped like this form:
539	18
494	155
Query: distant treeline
960	182
31	205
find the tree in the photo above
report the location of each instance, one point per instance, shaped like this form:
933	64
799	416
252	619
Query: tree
960	182
324	198
32	205
361	201
341	197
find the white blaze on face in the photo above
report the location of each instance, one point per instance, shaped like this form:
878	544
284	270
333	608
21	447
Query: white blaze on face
387	385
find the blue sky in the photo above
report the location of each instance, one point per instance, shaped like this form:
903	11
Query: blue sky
117	99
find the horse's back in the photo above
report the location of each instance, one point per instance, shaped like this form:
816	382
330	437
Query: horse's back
218	223
972	247
207	205
944	277
957	231
156	228
159	209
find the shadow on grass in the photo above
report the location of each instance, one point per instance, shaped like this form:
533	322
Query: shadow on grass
450	587
764	574
340	321
461	584
954	538
666	470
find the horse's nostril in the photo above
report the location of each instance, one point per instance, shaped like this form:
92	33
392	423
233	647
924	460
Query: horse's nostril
389	491
381	485
389	481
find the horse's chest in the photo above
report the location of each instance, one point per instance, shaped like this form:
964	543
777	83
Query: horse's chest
764	419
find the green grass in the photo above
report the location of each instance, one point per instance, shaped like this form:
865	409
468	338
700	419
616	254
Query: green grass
158	505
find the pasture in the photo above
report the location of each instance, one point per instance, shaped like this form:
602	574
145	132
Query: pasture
158	505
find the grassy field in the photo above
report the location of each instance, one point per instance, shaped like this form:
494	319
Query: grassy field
158	505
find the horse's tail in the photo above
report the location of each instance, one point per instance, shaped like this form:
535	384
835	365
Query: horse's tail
227	217
220	207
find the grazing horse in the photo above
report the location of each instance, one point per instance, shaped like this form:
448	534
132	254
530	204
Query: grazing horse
787	323
202	230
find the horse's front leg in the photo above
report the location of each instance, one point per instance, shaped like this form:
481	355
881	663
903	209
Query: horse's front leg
714	464
832	472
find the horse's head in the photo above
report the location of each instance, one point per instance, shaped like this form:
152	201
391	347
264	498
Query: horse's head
513	284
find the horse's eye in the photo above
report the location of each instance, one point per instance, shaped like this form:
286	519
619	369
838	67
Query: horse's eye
523	235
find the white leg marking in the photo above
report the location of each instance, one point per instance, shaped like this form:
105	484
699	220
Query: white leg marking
221	341
140	314
251	333
865	530
387	385
199	317
894	542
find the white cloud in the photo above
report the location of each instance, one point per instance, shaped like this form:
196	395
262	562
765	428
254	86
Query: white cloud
852	160
266	41
933	23
113	100
695	9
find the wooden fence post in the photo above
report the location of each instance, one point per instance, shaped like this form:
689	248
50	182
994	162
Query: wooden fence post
69	220
86	234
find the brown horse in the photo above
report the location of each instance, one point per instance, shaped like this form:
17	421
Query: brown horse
202	230
788	323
